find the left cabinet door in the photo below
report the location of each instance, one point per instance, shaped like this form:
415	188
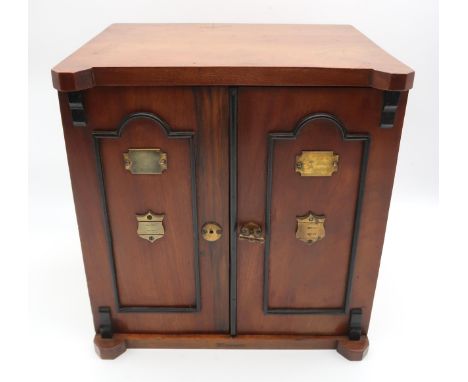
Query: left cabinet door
149	169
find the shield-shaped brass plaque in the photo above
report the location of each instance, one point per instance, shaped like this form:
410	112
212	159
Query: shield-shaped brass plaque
150	226
310	228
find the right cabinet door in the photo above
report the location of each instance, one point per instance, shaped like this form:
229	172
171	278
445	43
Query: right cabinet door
315	171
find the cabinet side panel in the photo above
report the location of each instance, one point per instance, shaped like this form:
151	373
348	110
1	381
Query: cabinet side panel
84	182
383	157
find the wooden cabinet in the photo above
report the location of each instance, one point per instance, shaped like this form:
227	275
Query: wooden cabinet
232	182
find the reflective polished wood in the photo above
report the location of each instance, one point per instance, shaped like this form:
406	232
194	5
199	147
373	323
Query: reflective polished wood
232	107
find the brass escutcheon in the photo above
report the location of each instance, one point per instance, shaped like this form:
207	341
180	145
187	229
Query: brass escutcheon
211	232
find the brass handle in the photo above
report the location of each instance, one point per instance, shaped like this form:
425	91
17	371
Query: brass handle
251	232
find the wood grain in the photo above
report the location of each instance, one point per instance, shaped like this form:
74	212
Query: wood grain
353	350
113	347
302	276
312	275
109	348
159	273
181	73
231	54
147	274
296	280
216	341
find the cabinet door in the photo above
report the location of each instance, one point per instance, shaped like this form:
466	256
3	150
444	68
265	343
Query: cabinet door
315	172
149	170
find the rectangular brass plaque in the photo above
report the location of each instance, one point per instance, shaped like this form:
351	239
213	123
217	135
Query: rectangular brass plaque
145	161
317	163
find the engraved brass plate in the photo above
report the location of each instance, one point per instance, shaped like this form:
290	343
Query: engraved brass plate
145	161
150	226
310	228
317	163
211	232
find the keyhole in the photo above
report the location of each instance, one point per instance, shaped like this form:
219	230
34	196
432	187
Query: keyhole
211	232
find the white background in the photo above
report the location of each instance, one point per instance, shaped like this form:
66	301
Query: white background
417	316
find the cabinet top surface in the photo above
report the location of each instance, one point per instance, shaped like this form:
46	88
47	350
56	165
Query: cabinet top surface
231	54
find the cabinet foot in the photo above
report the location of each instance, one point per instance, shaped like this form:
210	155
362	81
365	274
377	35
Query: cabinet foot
109	348
353	350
